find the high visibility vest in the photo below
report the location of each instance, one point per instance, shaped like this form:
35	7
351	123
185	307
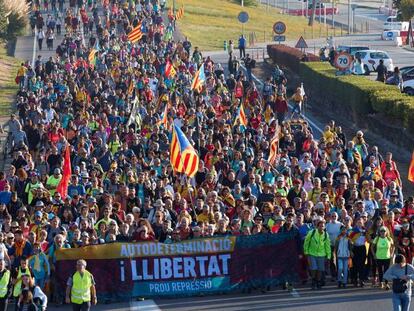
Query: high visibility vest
81	287
18	286
4	282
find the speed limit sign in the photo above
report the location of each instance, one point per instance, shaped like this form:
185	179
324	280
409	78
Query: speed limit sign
343	61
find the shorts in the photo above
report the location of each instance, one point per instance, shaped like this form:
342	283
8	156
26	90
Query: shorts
317	263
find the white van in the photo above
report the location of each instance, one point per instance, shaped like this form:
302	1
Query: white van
393	24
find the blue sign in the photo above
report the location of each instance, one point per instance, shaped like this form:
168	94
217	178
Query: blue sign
279	38
243	17
279	28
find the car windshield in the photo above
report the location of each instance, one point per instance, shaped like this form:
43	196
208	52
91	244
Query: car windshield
379	55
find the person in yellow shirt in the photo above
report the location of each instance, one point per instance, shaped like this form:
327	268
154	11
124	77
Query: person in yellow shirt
206	216
53	181
20	75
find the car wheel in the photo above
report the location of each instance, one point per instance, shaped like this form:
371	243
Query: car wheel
409	91
367	72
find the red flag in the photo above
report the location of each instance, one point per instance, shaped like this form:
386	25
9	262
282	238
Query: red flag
62	187
411	169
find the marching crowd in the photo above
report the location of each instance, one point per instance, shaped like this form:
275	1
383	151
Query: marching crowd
341	196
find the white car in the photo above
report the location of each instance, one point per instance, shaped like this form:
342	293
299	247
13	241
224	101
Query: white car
408	87
371	59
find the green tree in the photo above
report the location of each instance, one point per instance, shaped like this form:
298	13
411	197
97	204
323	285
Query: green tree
406	9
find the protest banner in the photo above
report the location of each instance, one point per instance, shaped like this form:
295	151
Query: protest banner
209	265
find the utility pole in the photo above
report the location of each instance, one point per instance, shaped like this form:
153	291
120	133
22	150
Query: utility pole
349	17
312	17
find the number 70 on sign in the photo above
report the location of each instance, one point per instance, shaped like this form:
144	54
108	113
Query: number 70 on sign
343	61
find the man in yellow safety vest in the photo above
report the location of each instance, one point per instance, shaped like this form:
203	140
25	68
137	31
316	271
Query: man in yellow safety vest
80	289
5	285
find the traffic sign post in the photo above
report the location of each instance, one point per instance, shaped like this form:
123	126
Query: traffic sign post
243	18
279	38
301	44
343	61
279	27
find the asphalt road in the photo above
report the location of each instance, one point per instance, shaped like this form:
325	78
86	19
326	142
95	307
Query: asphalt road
330	298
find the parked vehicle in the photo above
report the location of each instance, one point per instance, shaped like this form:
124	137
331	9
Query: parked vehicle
407	72
351	49
371	59
408	87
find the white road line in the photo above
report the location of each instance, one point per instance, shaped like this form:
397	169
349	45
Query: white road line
34	47
145	305
294	293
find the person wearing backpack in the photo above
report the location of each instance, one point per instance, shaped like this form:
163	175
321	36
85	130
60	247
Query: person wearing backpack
383	250
401	274
317	248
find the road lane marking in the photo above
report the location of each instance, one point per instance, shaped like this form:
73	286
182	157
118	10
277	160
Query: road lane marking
145	305
294	293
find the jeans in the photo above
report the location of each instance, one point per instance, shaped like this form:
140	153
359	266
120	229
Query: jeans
343	270
401	302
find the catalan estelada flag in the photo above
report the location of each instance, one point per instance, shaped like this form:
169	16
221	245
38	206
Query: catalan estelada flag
274	146
411	169
183	157
135	34
179	14
131	87
164	117
199	79
92	56
241	116
170	70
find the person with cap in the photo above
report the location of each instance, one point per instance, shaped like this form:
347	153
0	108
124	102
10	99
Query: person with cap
80	290
317	248
401	274
383	250
5	285
53	181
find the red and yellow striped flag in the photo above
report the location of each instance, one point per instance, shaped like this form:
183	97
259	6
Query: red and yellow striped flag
131	87
164	117
183	157
170	70
241	116
135	34
179	14
274	146
92	56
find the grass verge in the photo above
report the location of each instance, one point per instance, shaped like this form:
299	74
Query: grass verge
209	23
8	87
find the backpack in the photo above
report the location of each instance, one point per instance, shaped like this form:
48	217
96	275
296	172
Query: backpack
314	231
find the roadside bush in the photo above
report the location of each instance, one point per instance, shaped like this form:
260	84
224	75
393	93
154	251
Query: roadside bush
362	95
287	56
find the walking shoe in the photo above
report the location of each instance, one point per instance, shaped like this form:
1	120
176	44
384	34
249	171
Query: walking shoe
382	285
387	286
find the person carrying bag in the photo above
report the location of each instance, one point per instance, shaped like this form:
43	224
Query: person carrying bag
401	274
